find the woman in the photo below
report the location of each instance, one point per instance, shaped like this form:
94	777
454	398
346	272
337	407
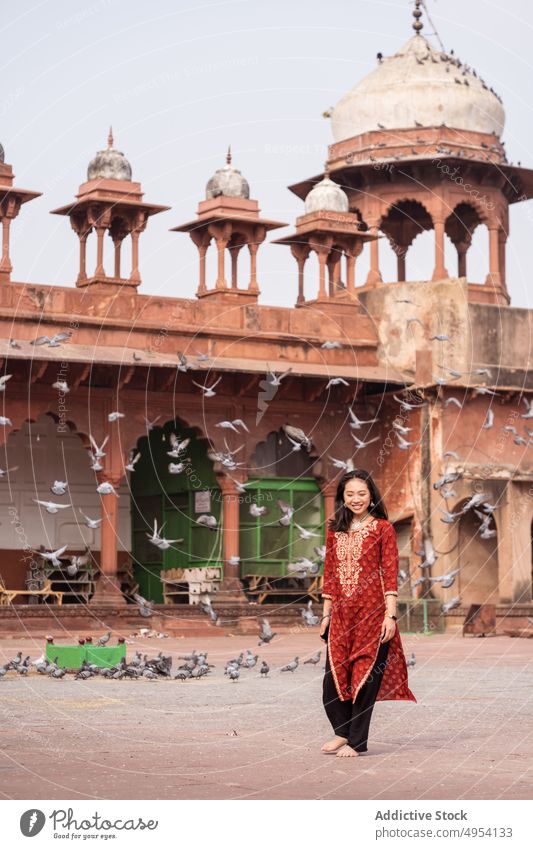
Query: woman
365	661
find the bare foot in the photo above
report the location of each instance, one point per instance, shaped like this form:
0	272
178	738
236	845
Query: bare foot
347	752
334	745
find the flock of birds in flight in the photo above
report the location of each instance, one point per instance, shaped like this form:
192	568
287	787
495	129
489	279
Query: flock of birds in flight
298	440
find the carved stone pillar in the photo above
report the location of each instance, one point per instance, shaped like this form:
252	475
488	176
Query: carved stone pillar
231	587
301	253
439	272
493	277
374	274
139	225
108	586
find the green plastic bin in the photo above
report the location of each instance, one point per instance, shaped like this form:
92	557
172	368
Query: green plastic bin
72	657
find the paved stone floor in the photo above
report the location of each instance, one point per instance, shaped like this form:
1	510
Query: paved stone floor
469	736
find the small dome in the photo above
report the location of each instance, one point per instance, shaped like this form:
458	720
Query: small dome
1	153
327	196
109	164
418	87
227	181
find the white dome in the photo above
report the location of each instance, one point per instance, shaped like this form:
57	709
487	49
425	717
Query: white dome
109	164
327	196
228	182
418	86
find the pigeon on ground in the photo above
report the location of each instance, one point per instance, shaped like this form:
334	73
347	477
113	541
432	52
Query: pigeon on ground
105	639
233	673
314	659
265	669
290	667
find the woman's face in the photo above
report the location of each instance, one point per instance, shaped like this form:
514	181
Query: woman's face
357	496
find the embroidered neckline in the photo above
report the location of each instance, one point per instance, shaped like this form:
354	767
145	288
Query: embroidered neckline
349	547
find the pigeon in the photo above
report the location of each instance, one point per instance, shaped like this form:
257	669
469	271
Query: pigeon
53	556
287	513
304	533
266	634
58	673
209	391
104	640
345	465
361	443
91	523
445	479
330	346
489	421
450	605
4	472
447	580
51	506
115	416
62	386
453	400
78	561
150	424
3	380
336	381
404	444
265	669
412	660
59	487
357	423
231	425
5	421
182	675
256	510
314	659
98	450
275	379
290	667
134	458
207	607
208	520
440	337
233	673
308	616
52	341
297	434
106	488
406	405
145	607
178	447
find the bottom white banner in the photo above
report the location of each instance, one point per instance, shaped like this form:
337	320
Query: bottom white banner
166	823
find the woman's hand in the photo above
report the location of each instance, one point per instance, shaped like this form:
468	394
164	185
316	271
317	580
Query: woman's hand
388	629
324	624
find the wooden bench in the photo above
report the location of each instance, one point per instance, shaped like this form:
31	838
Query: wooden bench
7	596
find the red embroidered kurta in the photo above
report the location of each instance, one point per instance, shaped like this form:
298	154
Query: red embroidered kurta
360	568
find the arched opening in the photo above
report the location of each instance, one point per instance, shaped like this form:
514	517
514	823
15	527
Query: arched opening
39	453
469	236
174	492
477	560
284	535
404	221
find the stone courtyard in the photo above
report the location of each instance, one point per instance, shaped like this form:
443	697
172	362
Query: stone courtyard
470	735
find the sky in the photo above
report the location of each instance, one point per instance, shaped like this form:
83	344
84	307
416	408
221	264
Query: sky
180	80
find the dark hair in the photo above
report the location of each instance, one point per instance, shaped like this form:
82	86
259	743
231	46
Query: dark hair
343	515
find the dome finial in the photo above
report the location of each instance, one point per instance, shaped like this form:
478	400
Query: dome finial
326	170
228	155
417	14
110	137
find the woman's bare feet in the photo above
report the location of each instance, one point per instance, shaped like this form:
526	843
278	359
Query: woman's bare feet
334	745
347	752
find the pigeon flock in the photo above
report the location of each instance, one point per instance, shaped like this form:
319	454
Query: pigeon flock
192	666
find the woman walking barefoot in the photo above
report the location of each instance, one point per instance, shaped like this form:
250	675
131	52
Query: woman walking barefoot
365	661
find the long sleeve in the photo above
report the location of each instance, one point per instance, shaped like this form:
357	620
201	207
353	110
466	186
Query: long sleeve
389	559
329	567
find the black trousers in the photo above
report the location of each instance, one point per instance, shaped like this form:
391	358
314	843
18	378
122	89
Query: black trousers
352	719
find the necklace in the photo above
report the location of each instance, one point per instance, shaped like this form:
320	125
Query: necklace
357	523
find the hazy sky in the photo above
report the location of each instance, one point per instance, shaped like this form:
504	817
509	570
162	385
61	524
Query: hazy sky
179	81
